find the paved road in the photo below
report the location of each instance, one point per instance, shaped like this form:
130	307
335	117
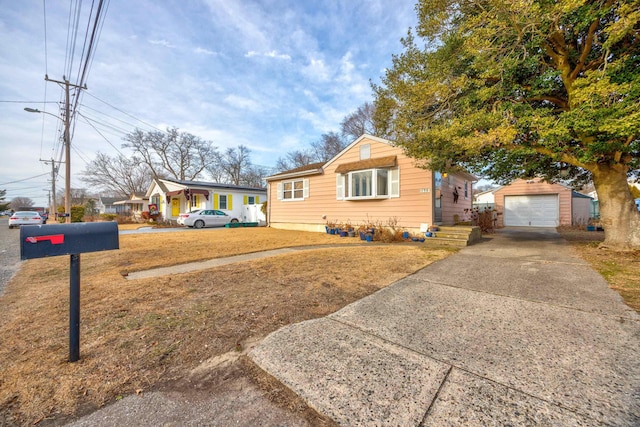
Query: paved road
9	252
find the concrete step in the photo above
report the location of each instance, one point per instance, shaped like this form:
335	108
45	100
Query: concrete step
457	235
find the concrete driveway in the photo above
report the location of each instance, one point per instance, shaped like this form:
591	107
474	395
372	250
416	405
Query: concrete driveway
514	331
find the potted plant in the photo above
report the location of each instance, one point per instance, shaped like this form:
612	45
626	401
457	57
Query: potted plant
362	231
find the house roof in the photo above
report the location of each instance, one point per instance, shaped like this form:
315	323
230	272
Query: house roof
109	200
213	185
380	162
578	195
311	169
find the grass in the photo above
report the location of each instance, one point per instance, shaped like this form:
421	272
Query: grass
620	269
139	334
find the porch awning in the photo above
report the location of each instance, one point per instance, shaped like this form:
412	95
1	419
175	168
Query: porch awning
380	162
205	193
130	202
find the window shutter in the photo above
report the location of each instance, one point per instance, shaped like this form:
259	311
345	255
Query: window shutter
339	187
305	188
394	182
216	201
230	202
245	200
257	200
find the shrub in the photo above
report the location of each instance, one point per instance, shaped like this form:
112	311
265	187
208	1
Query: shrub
108	216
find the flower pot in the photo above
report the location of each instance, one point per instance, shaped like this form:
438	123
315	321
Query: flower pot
428	234
352	233
332	231
405	235
363	235
369	238
343	233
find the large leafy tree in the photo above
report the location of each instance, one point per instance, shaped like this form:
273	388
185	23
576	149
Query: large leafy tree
522	88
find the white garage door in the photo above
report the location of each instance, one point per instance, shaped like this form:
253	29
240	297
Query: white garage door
531	211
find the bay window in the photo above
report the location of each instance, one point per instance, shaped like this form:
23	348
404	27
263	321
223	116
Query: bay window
368	184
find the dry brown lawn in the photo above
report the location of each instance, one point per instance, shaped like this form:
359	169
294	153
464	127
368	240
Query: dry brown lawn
137	335
620	269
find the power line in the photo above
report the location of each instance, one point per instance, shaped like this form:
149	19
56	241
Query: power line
25	179
125	113
105	138
31	102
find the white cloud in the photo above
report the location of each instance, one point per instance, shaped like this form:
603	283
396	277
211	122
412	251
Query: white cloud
242	103
275	54
203	51
164	43
317	70
271	54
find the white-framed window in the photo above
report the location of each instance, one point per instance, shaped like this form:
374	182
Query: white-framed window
466	189
297	189
368	184
222	201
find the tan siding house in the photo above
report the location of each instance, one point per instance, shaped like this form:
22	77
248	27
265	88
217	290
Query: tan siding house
369	181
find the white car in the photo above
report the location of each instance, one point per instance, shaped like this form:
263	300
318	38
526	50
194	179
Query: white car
25	218
205	218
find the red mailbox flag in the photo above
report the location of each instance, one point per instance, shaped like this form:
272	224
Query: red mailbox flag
56	239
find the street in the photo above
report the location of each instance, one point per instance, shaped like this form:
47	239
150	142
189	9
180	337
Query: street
9	252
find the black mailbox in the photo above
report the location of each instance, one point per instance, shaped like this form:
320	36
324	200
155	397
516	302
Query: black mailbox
38	241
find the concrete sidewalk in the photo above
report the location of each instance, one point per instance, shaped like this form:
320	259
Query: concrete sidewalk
514	331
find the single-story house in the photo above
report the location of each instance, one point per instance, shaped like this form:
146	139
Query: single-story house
485	199
105	205
134	205
370	181
170	197
537	203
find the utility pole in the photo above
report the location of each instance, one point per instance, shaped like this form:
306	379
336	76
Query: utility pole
67	145
53	207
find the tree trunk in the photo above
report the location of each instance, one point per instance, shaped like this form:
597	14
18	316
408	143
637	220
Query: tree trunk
618	213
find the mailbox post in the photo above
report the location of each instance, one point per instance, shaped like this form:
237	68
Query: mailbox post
39	241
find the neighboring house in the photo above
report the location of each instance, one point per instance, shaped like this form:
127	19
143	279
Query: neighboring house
485	199
134	205
171	197
371	180
105	205
537	203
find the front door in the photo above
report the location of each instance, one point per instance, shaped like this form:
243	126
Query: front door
437	198
175	207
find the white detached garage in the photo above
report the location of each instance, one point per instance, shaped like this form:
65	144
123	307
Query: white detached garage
536	203
540	210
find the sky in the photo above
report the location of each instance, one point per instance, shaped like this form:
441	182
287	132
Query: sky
273	75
